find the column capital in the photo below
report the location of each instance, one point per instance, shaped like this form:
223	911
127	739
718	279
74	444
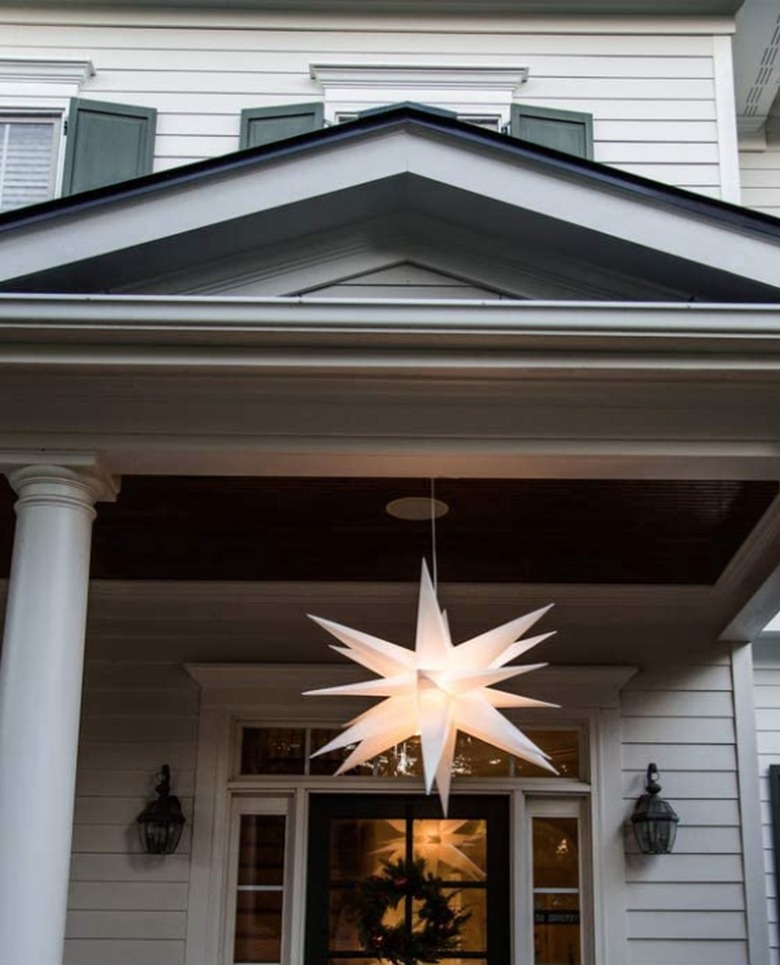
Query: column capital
49	477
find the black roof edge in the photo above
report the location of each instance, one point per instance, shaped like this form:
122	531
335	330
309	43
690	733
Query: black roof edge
723	211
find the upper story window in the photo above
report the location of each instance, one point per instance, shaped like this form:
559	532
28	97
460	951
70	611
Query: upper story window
468	92
29	152
486	97
53	141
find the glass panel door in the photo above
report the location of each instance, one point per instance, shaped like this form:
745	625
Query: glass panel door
354	837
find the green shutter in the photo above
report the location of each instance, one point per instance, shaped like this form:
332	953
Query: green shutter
107	143
567	131
263	125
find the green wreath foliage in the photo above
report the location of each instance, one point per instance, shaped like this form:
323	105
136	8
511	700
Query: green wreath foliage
436	936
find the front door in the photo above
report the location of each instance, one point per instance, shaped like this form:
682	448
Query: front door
353	837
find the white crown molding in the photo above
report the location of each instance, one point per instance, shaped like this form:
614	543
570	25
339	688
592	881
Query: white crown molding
398	77
17	71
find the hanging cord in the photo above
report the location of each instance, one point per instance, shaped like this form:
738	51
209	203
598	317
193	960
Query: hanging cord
433	537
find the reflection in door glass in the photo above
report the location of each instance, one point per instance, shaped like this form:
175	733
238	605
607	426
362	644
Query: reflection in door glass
556	888
454	850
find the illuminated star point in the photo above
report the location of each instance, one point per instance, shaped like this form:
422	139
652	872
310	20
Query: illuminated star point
436	690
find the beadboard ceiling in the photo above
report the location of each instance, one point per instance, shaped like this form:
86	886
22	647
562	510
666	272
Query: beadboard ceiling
662	532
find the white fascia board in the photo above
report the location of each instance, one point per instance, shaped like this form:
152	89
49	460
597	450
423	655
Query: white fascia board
490	171
72	329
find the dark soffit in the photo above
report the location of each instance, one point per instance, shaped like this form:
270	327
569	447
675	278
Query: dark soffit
517	531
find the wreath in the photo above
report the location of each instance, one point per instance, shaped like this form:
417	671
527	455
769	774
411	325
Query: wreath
436	936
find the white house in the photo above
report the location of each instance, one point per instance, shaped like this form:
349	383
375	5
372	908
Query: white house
265	269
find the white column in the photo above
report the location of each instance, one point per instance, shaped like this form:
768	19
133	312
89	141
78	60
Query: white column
40	698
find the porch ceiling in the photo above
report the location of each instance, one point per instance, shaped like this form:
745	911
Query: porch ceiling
576	531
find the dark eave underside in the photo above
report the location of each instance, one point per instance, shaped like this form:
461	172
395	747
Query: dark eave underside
497	531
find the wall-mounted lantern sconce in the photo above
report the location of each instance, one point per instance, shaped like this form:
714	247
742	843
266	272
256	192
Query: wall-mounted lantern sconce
654	820
161	822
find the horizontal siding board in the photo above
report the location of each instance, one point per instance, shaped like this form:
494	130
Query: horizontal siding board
644	952
141	703
674	730
768	719
767	695
679	704
711	813
123	952
682	867
680	757
769	744
151	730
752	198
128	896
464	41
127	924
686	924
698	896
126	783
131	868
614	152
138	755
699	840
116	839
678	784
677	132
116	810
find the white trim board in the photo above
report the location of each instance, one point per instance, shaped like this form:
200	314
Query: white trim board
277	687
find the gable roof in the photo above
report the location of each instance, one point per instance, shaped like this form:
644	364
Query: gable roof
404	159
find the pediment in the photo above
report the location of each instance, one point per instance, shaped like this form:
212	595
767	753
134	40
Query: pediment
483	215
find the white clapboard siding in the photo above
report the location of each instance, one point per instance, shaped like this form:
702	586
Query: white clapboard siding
766	675
404	281
760	176
127	907
652	94
688	907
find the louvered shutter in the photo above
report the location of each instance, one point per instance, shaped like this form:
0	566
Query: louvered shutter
264	125
107	143
567	131
28	160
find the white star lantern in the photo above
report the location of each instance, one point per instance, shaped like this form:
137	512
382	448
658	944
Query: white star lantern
436	690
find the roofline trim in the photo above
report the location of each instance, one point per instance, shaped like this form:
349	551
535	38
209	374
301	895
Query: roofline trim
729	214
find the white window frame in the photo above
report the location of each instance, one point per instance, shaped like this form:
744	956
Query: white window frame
56	120
271	696
570	806
268	804
31	89
468	91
